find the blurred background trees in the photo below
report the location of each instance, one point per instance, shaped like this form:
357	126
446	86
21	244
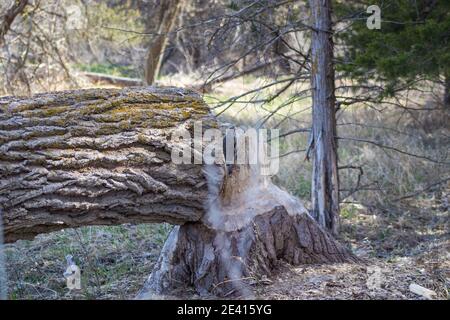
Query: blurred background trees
412	46
168	14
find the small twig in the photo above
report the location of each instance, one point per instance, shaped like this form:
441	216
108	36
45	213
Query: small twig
291	152
394	149
430	186
310	144
292	132
360	174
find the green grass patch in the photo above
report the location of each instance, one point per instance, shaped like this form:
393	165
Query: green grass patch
110	69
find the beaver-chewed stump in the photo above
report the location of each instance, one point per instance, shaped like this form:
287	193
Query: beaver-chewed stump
103	157
250	227
228	262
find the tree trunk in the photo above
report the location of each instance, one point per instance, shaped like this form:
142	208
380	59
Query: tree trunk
225	263
447	92
325	184
100	156
249	229
97	157
9	17
168	15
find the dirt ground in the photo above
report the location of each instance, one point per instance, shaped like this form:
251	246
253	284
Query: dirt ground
405	244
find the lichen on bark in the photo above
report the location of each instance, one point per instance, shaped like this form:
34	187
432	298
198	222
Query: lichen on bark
97	156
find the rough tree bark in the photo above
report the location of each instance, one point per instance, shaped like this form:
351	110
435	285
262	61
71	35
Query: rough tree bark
325	184
97	156
101	156
447	92
168	14
109	79
9	17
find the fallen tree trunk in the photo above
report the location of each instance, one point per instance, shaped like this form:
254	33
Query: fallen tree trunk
115	80
103	157
97	157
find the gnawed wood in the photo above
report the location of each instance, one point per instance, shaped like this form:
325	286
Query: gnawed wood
97	157
250	227
226	263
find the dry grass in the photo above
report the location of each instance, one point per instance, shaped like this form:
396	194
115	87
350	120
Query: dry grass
114	261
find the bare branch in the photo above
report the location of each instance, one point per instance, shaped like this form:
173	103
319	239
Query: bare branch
393	149
427	188
7	20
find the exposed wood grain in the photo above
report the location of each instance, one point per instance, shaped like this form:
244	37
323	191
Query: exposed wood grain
229	262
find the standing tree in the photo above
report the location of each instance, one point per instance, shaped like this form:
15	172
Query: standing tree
169	11
325	183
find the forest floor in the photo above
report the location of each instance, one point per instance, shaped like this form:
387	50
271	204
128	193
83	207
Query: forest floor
402	245
408	244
